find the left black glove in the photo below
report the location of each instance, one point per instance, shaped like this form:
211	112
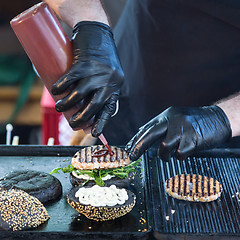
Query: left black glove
95	76
182	131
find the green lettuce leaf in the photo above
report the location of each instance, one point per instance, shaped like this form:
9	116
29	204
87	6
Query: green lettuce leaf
121	172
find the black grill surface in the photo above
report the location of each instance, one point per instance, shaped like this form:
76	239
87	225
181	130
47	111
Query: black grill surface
156	215
172	216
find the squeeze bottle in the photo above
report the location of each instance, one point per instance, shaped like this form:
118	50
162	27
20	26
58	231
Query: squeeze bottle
47	46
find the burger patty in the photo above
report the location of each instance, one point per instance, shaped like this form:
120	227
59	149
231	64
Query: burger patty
192	187
87	158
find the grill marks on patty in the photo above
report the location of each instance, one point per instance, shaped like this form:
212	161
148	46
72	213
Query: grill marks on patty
85	155
85	159
192	187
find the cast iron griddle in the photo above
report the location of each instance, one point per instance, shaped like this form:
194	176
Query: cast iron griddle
65	222
169	218
219	219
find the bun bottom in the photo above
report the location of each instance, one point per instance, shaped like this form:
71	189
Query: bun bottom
101	213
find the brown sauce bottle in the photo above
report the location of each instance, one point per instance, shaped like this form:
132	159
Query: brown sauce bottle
47	46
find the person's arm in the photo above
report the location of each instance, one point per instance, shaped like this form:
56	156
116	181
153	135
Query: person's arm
182	131
74	11
231	107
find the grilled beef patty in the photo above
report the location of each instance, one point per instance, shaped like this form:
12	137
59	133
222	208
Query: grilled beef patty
192	187
87	158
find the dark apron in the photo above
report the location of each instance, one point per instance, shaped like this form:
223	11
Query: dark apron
174	53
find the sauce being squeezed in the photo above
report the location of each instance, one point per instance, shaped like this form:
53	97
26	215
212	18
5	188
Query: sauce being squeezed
105	143
100	153
109	149
103	152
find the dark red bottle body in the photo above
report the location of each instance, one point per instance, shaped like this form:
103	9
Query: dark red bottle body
44	41
47	46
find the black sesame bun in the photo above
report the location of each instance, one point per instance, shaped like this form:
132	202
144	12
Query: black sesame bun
41	185
101	213
20	211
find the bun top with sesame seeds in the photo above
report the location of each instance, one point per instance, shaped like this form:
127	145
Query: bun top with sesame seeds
20	211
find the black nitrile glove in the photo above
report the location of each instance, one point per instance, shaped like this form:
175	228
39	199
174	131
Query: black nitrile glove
182	131
96	75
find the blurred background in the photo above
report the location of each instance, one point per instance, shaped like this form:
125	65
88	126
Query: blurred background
20	88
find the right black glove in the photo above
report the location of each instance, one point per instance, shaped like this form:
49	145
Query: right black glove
182	131
96	75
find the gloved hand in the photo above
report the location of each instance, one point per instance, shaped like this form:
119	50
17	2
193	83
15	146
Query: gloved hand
182	131
95	76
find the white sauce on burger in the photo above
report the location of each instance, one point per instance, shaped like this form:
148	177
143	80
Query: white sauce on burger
87	177
102	196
